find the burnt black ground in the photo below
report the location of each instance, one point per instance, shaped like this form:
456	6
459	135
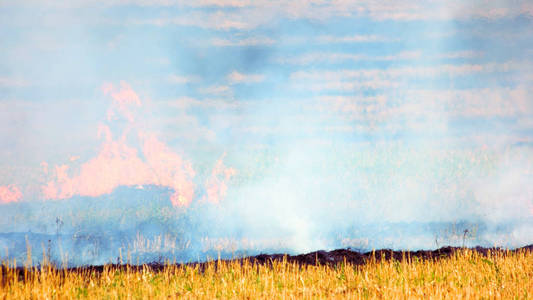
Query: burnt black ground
329	258
340	256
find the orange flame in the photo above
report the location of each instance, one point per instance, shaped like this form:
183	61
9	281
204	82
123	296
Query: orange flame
216	184
9	193
118	164
123	99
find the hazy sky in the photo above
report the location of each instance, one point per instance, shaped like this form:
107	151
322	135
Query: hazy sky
412	110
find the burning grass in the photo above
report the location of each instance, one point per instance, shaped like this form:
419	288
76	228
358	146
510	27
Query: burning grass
462	273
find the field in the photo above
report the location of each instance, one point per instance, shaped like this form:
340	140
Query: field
461	273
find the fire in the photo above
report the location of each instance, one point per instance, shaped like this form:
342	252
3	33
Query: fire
169	170
216	184
123	100
9	193
119	164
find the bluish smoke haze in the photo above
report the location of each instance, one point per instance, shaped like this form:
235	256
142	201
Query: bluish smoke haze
150	131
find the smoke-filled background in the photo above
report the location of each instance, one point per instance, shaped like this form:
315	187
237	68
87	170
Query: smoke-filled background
179	130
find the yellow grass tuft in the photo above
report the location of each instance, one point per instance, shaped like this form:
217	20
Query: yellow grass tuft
466	274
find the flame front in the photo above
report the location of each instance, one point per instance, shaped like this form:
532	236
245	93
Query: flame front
119	164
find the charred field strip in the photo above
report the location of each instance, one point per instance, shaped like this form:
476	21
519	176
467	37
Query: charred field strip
317	258
446	273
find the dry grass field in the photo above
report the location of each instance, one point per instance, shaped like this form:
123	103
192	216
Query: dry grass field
465	274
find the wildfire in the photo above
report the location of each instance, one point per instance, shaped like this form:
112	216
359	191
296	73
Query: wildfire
119	164
9	193
216	184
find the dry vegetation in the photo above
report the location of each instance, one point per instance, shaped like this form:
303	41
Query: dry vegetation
466	274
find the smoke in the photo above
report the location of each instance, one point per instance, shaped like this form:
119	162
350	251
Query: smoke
310	189
394	131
